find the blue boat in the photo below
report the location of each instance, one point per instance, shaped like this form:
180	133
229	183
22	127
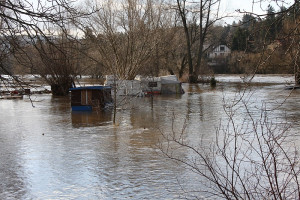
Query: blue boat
90	98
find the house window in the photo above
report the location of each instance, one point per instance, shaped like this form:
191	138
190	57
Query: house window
222	48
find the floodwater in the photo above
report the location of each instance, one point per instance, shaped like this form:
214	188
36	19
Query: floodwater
49	152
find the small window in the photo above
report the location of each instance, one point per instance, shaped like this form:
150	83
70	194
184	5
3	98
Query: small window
152	84
222	48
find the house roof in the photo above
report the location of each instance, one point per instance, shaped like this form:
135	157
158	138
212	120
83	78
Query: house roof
101	87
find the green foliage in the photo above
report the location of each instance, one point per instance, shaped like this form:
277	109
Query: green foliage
240	39
248	21
271	24
294	12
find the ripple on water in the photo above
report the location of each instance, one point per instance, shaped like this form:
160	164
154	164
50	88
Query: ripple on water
84	156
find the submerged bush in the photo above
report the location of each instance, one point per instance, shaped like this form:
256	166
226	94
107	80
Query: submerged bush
213	82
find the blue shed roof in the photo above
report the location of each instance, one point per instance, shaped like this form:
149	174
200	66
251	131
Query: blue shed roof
101	87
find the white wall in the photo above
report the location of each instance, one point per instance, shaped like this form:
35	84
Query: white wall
220	51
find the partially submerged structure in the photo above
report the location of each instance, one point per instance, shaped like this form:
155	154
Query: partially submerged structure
171	85
90	98
142	86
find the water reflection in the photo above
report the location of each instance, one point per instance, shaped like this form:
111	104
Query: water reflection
50	152
12	184
95	118
60	104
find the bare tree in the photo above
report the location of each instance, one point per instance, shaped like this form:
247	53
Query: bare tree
276	37
124	34
59	64
23	23
253	158
201	16
125	37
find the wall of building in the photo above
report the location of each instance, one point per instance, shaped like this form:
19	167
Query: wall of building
220	51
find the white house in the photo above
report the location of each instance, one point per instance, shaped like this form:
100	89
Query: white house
219	51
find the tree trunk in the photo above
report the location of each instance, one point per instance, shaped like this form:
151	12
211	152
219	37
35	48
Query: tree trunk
188	41
182	67
61	87
297	76
115	102
203	27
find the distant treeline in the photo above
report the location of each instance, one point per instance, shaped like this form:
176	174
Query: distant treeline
264	44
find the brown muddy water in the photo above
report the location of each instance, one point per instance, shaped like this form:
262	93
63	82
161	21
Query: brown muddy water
49	152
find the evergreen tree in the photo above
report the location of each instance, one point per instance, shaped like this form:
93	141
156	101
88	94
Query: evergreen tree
240	39
270	24
248	21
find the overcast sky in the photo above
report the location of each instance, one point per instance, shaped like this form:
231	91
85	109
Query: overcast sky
229	7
